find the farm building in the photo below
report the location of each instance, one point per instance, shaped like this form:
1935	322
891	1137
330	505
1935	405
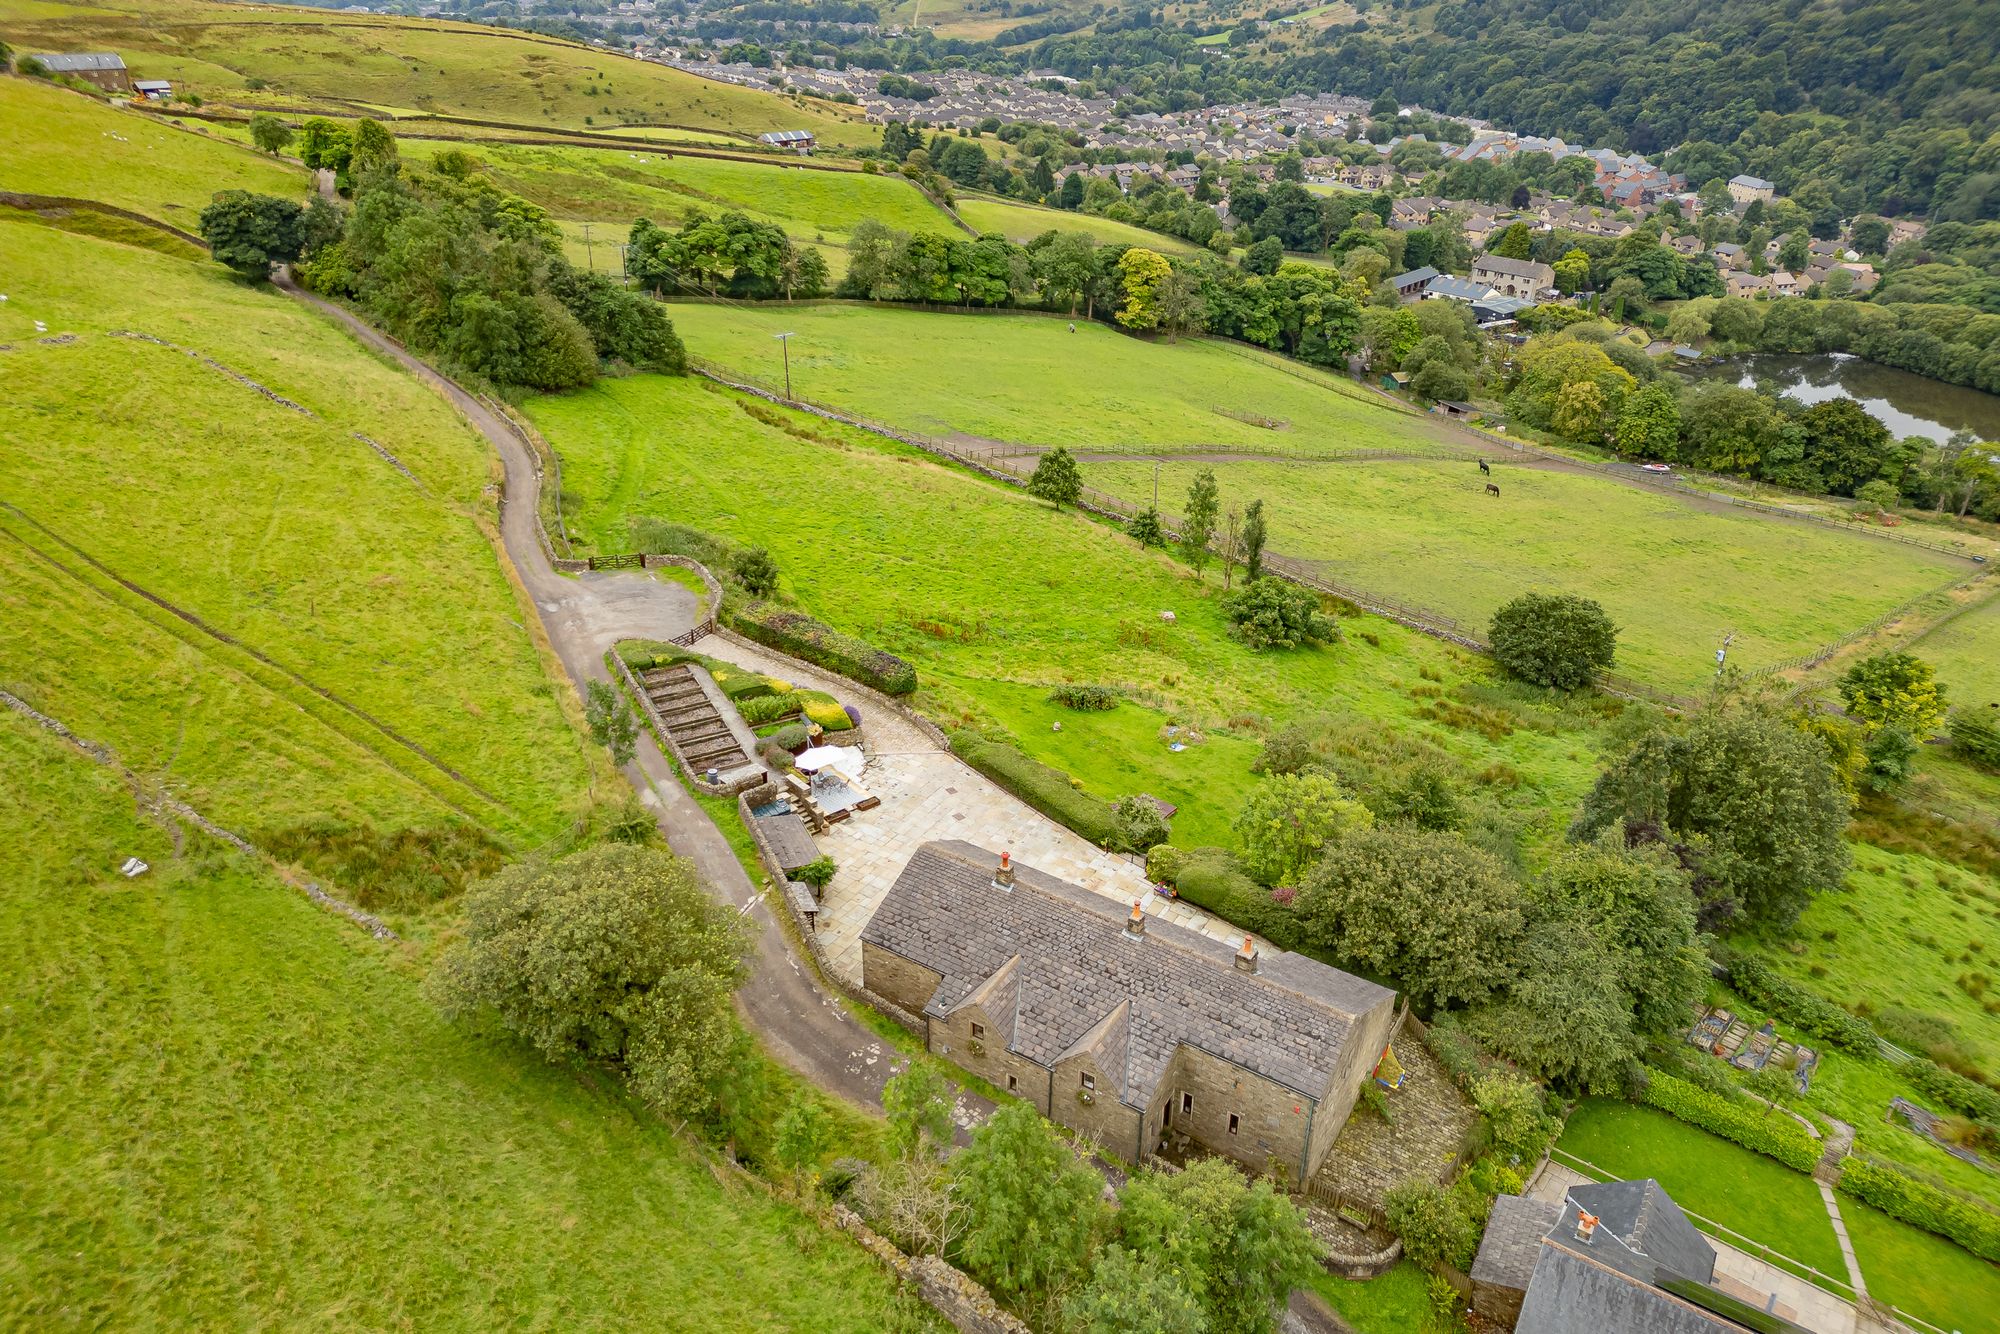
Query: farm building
153	90
99	68
797	141
1128	1028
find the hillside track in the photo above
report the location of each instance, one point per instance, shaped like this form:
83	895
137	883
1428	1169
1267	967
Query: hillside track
800	1021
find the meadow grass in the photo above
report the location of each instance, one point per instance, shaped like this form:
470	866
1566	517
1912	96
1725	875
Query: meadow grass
618	186
413	65
280	529
1026	379
1910	931
1923	1274
1741	1190
1674	574
1858	1091
225	1108
996	597
1966	653
1398	1302
60	142
1023	222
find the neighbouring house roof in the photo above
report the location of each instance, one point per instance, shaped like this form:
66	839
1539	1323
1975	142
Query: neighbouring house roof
1513	1240
1752	182
1576	1294
1414	277
787	137
1079	982
1503	307
1458	289
1645	1218
149	85
80	62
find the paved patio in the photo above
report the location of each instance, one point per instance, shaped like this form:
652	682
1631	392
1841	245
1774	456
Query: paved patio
928	793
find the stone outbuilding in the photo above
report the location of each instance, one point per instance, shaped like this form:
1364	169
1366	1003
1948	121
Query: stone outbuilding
1121	1026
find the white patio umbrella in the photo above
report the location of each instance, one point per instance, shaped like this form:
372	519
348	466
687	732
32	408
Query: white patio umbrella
824	757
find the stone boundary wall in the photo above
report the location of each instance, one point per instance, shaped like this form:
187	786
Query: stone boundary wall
161	805
950	1292
1362	1267
41	203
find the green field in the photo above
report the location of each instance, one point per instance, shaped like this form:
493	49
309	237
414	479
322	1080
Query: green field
1026	379
1676	575
1922	1274
1023	222
280	530
996	597
1966	653
616	186
389	64
63	143
1743	1191
224	1108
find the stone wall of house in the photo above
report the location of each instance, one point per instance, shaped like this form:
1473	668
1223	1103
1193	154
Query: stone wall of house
1365	1041
1498	1303
951	1038
1271	1120
1104	1119
906	984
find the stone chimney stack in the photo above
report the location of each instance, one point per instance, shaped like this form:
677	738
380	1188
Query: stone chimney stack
1246	958
1003	878
1135	926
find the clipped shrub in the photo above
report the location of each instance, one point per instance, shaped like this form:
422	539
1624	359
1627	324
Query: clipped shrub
768	708
1085	699
1922	1205
645	654
1212	878
1757	1128
1792	1003
824	709
1163	863
739	686
801	636
1048	790
791	738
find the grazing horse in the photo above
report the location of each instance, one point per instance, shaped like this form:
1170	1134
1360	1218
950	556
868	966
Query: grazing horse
1492	490
1485	470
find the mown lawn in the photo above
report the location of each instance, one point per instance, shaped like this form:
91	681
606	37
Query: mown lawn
1675	575
1023	222
1922	1274
282	530
996	597
223	1108
1026	379
63	143
1741	1190
409	65
1396	1303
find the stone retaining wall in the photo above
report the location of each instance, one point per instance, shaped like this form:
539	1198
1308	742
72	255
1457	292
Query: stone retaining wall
691	775
948	1291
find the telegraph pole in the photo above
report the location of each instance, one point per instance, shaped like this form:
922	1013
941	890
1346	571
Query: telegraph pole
785	341
589	255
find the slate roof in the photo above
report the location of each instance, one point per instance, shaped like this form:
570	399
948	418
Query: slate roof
1519	268
1576	1294
1513	1241
1645	1218
1458	289
1415	277
78	62
1083	983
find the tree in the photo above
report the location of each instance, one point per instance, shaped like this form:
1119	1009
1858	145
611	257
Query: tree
1204	502
755	569
1845	445
1290	819
1553	639
612	724
1236	1246
1387	335
1514	242
1892	759
1034	1210
1894	690
1434	1230
1426	909
615	954
1650	425
802	1136
1515	1113
1127	1294
1748	803
1794	252
918	1105
325	144
1579	412
1145	528
1179	303
1572	271
1064	265
1141	272
269	133
250	233
1272	614
374	149
1254	536
1057	479
1141	824
1263	257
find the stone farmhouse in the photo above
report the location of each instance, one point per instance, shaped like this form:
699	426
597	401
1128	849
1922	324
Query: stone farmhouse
1524	279
1131	1030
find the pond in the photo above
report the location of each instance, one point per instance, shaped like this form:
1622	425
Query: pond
1907	404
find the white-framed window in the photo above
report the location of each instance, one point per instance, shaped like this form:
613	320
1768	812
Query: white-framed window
1233	1122
1090	1082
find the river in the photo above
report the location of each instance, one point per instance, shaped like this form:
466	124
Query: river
1907	404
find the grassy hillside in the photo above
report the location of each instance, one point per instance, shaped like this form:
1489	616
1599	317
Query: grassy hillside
1675	574
222	1109
1966	653
394	64
995	597
1024	222
1039	384
280	528
63	143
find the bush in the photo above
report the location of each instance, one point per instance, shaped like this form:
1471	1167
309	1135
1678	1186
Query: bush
1047	790
1269	613
1903	1196
738	685
1211	878
1164	862
1757	1128
1553	640
1795	1005
790	738
825	710
1085	699
645	654
1433	1227
816	873
1141	825
803	637
756	571
1977	735
769	708
1951	1088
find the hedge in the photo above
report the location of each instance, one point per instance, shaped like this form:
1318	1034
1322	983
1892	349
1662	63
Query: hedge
645	654
1951	1088
1047	790
801	636
1211	878
1915	1202
1767	1131
1978	735
1794	1004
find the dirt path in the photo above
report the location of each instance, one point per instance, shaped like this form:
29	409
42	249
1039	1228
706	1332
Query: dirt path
800	1022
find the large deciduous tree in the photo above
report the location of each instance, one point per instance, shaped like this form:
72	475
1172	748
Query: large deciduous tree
1291	819
1237	1247
250	232
1034	1211
1553	639
1057	479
